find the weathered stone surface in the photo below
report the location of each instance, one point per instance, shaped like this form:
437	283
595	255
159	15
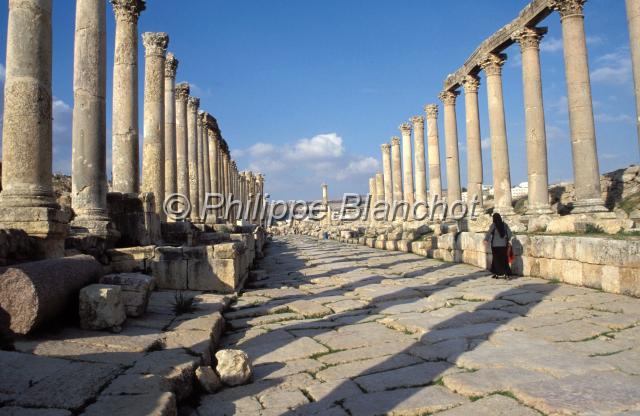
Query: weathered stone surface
35	293
412	376
136	289
147	404
175	366
101	307
23	411
491	406
208	379
233	366
414	401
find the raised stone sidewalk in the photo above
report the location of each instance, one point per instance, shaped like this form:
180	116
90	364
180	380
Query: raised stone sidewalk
144	370
337	329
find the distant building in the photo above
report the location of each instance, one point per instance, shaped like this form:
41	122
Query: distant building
520	191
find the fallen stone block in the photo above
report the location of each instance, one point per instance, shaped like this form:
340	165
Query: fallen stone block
101	307
208	379
37	292
136	289
233	367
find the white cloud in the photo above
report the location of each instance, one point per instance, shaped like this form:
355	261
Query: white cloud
62	126
613	68
358	167
595	40
318	147
614	118
556	132
261	149
3	73
609	156
62	116
486	143
551	45
197	91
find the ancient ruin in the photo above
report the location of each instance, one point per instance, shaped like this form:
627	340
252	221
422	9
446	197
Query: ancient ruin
169	284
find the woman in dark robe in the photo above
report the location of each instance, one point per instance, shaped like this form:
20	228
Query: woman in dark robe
499	237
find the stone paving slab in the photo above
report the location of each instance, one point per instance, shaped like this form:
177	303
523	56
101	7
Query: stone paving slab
409	335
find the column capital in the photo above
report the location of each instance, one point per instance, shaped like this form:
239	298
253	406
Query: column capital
259	177
170	66
529	37
193	103
385	147
431	110
395	141
471	84
405	128
448	97
418	121
204	116
155	43
492	63
128	10
201	118
568	7
182	91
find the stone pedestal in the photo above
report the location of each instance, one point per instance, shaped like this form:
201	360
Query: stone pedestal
492	66
124	129
27	201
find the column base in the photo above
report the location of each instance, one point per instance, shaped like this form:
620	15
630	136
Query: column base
101	227
505	211
48	226
540	210
589	206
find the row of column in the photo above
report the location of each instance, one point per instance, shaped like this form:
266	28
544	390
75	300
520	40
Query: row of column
398	177
183	150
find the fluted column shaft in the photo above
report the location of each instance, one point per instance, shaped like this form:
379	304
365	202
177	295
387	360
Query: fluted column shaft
182	153
26	134
492	66
213	157
536	136
387	173
89	154
192	148
155	45
170	158
454	191
633	20
124	127
373	191
407	163
474	142
200	138
379	187
420	174
205	153
433	152
586	170
396	169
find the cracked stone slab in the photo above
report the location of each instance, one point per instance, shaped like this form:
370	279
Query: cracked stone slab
496	405
491	380
364	367
361	335
412	376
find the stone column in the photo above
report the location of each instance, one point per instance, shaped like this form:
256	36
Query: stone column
380	187
260	198
421	174
454	191
407	162
213	156
471	84
89	154
182	153
396	169
433	152
225	173
633	20
492	66
373	191
586	170
155	44
27	201
205	153
387	173
170	162
536	136
200	138
325	194
124	124
192	147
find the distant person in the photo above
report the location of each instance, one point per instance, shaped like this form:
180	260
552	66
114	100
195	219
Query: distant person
499	237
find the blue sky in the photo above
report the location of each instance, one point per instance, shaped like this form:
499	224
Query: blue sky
306	91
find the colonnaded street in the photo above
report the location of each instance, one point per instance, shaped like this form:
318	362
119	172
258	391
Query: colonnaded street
338	329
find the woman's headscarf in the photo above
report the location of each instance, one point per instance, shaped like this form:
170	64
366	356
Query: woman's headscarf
499	224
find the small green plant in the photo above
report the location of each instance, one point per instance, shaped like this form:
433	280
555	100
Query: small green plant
593	229
182	304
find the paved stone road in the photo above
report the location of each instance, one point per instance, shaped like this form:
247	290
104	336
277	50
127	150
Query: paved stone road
337	329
